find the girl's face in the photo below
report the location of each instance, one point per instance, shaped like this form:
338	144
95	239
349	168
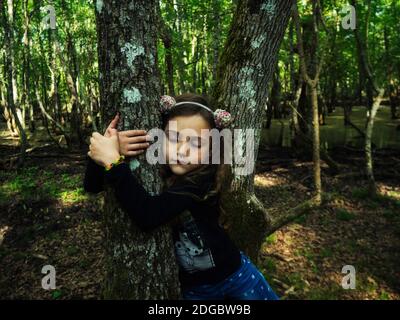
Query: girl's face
186	145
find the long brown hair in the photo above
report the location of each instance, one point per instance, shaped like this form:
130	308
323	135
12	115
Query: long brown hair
211	175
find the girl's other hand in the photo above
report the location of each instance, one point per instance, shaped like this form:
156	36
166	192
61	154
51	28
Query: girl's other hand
104	150
133	142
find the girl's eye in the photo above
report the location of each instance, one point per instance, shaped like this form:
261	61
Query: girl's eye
196	143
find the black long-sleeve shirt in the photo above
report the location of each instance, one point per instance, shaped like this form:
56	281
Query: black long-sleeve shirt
205	253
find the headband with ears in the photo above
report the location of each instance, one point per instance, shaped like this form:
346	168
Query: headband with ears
222	117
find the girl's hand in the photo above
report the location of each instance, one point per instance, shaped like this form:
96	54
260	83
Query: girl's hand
133	142
113	125
104	150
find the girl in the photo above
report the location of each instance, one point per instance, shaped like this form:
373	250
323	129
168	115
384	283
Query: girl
210	264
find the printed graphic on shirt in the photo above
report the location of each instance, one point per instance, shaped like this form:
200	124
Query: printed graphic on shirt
191	251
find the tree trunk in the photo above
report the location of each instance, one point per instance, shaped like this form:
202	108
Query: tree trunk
54	94
166	37
372	88
312	83
316	143
181	48
390	86
295	88
368	142
216	5
275	97
8	23
246	66
26	98
139	265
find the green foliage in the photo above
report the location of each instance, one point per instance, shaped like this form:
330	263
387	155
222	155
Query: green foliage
198	31
3	252
269	265
56	294
296	280
300	219
271	239
197	28
34	184
326	253
331	293
384	296
360	193
72	250
344	215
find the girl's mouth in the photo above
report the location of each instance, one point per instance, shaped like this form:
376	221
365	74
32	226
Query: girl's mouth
180	162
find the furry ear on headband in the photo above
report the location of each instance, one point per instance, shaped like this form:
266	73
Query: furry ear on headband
222	117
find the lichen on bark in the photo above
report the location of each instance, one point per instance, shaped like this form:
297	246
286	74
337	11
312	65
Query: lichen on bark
269	7
99	5
131	50
132	95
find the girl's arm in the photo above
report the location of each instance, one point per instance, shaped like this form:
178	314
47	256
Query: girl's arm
94	177
94	174
148	211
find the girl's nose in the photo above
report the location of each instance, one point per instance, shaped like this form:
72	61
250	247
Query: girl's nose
183	147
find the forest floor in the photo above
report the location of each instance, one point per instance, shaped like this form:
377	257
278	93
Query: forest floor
47	219
304	259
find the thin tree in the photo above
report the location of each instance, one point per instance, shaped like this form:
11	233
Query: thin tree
378	92
312	82
12	100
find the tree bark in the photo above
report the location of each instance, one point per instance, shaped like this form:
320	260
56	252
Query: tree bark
139	265
245	68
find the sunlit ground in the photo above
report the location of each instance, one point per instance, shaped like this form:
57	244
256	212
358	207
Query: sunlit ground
304	259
